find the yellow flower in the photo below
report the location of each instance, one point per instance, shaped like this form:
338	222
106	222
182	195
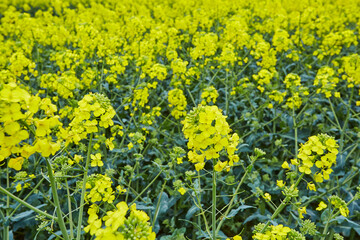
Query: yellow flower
321	206
96	160
179	160
16	163
280	183
267	197
182	190
294	162
78	158
18	187
220	166
285	165
199	166
311	186
318	177
109	143
120	189
302	211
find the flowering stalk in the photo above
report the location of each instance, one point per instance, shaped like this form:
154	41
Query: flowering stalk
282	205
83	190
295	132
213	212
332	216
158	204
7	228
198	198
248	170
9	194
56	201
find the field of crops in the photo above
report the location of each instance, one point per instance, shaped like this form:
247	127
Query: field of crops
179	119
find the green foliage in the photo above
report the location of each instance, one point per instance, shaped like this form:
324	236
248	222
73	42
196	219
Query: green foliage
223	119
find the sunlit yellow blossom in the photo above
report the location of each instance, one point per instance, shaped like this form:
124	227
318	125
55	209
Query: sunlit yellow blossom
311	186
182	191
208	133
96	160
267	196
280	183
302	211
16	163
321	206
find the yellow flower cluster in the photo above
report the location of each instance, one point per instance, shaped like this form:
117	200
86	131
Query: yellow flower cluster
177	100
333	42
141	95
263	78
208	133
118	226
148	118
17	110
100	189
321	151
351	69
94	110
205	44
278	232
297	91
339	204
210	94
327	79
65	84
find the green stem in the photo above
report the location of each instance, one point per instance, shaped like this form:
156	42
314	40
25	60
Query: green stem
9	194
83	190
226	96
213	212
7	228
3	219
330	190
233	197
327	226
296	132
191	96
27	196
345	123
158	205
282	205
146	187
70	211
56	201
198	198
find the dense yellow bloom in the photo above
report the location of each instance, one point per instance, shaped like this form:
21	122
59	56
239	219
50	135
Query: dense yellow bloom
327	81
321	151
118	226
177	101
209	94
208	133
100	189
94	110
278	232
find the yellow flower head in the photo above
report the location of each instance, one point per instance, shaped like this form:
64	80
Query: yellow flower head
208	133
